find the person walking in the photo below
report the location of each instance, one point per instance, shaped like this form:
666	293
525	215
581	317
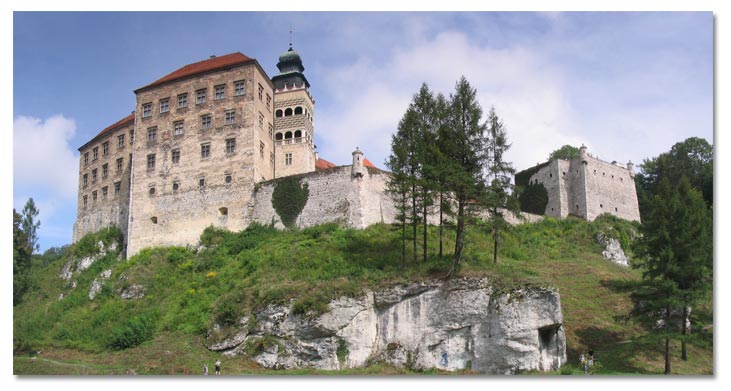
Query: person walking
205	369
218	367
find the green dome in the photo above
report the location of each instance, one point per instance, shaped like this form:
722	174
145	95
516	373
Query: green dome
289	56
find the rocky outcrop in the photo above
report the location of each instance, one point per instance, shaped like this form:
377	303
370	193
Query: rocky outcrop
96	285
613	250
454	325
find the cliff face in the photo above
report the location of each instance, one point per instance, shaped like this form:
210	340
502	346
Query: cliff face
452	325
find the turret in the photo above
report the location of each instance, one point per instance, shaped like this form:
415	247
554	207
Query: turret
357	163
631	168
583	154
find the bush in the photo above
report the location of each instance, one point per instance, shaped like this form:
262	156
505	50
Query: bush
289	198
133	332
533	199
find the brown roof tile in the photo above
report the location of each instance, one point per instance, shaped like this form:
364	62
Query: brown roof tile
203	66
322	164
110	128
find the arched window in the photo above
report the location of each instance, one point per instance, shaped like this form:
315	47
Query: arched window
278	136
288	112
297	133
298	110
288	135
278	113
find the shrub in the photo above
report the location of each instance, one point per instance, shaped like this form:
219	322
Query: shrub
133	332
289	198
533	199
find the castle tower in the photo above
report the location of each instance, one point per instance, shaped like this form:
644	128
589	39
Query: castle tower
357	170
631	168
294	108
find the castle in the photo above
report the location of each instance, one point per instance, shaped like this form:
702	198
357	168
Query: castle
206	144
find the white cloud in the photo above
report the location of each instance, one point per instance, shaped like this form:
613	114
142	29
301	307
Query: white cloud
370	97
43	160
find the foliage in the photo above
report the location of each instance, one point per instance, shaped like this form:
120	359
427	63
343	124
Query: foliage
522	179
567	152
675	250
133	332
342	351
31	224
289	198
533	198
21	258
692	158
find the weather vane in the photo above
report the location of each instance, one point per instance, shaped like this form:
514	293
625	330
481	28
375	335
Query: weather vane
290	35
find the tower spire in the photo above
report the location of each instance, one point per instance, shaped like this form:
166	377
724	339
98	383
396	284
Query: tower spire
290	36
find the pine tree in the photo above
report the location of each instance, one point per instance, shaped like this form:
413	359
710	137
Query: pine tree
31	224
463	149
500	196
676	251
21	258
398	183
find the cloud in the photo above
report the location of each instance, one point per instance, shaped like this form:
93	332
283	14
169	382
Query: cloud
43	160
370	97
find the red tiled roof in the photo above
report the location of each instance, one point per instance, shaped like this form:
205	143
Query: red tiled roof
368	163
203	66
108	129
322	164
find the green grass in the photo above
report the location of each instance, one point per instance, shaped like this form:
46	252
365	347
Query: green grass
238	273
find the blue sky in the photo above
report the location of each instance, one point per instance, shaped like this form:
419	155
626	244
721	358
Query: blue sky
627	84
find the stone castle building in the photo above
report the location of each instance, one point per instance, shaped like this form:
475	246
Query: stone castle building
586	187
199	141
207	144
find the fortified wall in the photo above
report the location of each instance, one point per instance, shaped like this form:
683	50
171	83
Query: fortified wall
587	187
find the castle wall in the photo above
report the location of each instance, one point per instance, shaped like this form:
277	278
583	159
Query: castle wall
610	189
334	196
197	191
95	212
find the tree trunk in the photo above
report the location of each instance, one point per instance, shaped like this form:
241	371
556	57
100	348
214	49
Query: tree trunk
459	241
494	250
441	221
426	224
684	331
667	340
403	232
413	219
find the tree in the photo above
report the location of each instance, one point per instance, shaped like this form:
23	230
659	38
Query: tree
31	224
500	195
463	148
398	182
533	198
676	251
567	152
21	258
692	158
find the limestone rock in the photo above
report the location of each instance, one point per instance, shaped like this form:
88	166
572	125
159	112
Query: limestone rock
96	285
613	250
450	325
134	291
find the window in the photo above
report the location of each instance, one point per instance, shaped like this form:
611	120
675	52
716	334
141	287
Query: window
93	176
93	196
120	141
152	134
85	180
269	103
278	113
298	110
178	128
261	92
120	163
205	151
230	146
271	158
239	88
261	149
206	122
200	97
105	148
152	190
230	117
150	162
288	112
220	92
146	110
86	200
86	158
105	170
201	182
288	159
105	192
175	155
164	105
131	137
176	185
227	178
117	187
182	101
271	129
279	136
261	120
298	134
95	154
153	219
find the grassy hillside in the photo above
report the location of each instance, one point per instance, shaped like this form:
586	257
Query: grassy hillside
186	290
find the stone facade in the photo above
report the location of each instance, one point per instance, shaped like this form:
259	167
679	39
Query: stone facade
587	187
104	180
